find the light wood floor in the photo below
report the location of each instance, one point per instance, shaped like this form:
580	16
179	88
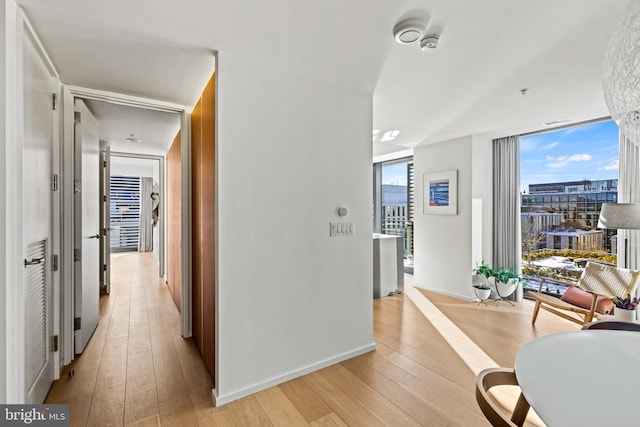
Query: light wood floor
137	370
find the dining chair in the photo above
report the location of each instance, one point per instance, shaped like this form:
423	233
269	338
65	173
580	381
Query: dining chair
613	324
494	377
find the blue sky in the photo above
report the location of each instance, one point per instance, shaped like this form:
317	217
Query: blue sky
585	152
395	173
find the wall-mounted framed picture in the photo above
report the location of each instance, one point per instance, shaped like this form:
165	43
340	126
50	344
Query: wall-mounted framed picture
441	193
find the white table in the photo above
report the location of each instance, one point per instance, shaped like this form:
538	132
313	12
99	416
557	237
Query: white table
582	378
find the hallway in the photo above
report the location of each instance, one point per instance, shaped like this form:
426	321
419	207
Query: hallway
136	367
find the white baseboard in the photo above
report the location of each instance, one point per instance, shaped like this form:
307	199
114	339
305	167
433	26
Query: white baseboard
223	399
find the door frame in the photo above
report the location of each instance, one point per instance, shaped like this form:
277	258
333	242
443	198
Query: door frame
71	92
161	185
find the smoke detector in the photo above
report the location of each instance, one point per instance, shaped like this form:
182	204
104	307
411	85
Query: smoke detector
132	139
409	30
429	41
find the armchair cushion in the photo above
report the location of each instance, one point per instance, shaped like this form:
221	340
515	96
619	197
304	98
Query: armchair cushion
576	296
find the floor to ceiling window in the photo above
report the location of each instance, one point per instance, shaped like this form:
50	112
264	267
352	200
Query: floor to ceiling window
566	175
393	190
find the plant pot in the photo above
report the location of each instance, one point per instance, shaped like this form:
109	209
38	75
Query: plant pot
624	314
505	289
482	293
479	280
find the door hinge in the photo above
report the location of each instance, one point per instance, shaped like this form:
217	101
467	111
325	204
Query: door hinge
104	163
76	118
104	267
77	255
54	101
104	198
54	262
77	186
77	323
54	343
54	182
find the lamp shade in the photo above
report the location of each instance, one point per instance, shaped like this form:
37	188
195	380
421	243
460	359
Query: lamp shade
624	216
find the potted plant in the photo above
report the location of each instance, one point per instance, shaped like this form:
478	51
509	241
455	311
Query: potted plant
480	281
483	270
505	279
625	308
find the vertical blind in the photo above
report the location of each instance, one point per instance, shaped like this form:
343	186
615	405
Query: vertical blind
125	213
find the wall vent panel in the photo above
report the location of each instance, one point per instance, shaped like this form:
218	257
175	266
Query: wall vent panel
37	351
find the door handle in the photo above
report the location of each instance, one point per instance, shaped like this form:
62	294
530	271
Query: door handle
33	261
97	236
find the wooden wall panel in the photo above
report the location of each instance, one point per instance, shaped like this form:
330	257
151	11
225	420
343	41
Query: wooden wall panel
174	206
196	223
208	230
203	223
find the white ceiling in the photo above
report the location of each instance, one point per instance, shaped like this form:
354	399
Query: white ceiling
155	130
470	84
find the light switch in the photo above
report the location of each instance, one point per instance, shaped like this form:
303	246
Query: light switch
341	229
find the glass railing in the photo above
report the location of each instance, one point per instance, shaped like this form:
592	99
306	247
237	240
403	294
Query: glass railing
559	267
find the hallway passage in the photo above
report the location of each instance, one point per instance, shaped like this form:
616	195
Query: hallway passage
136	367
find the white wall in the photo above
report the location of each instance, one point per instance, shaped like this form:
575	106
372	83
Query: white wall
133	166
11	206
482	192
290	298
5	120
443	245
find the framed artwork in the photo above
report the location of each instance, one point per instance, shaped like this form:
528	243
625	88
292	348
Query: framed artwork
441	193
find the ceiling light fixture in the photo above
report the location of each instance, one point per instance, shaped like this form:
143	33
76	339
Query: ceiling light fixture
409	30
429	41
557	122
390	135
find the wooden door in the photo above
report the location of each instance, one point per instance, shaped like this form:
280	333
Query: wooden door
203	221
174	205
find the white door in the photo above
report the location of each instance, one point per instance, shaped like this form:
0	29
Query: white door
105	220
38	210
87	233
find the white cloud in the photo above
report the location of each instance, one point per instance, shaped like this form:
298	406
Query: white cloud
562	161
613	166
573	129
550	146
533	144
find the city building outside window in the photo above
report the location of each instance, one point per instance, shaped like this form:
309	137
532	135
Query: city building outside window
393	203
566	176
